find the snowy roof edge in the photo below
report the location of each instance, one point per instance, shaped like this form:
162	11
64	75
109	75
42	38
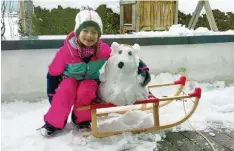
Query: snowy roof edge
44	42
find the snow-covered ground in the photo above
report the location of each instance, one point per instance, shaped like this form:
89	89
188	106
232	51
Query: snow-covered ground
20	120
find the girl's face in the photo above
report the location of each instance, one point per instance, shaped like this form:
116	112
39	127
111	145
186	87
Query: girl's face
88	36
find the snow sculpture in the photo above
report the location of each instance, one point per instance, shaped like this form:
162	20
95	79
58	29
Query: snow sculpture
120	82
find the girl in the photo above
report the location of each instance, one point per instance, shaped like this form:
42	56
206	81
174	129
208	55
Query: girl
73	75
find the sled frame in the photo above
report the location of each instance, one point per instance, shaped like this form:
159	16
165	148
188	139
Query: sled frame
196	94
180	82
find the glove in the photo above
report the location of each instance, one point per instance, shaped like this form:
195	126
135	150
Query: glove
146	75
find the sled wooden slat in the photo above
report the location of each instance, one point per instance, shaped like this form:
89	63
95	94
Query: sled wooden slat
107	105
180	81
156	126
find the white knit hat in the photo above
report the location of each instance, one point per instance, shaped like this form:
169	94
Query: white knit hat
87	16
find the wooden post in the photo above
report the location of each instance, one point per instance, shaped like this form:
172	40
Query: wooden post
196	15
209	15
26	12
137	16
134	16
121	19
22	13
176	13
156	114
94	122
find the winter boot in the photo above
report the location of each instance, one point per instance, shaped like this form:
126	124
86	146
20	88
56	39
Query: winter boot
84	125
47	130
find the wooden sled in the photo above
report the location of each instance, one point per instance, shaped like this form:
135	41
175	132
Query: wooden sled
196	94
180	83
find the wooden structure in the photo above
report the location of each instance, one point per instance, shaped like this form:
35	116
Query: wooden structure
155	107
209	15
26	12
147	15
222	140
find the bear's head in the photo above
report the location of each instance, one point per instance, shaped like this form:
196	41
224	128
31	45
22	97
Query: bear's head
124	58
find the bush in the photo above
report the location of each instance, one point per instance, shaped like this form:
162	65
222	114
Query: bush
61	21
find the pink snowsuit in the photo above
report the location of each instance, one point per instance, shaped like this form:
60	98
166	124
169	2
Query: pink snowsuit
79	86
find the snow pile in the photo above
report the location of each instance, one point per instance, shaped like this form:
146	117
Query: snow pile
215	108
138	142
217	100
130	120
174	31
25	137
181	30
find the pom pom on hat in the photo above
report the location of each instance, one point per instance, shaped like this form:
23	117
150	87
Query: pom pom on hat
88	17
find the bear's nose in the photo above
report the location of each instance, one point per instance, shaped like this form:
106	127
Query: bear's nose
120	65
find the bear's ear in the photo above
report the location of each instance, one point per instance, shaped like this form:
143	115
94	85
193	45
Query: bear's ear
114	45
136	47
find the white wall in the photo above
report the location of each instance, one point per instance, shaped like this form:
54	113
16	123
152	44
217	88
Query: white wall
203	62
24	71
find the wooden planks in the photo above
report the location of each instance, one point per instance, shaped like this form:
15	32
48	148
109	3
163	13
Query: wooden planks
148	15
200	141
182	143
192	141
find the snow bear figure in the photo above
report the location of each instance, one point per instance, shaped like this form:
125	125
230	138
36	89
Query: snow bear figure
120	82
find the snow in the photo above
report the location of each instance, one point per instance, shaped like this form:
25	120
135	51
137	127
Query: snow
11	24
174	31
212	134
215	108
181	30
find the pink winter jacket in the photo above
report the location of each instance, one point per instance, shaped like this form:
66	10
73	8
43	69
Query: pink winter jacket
68	62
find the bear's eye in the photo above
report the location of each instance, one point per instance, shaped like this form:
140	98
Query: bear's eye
120	51
129	53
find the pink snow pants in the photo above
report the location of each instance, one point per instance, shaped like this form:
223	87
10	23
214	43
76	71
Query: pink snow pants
71	93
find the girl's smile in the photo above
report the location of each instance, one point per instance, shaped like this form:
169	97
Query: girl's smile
88	36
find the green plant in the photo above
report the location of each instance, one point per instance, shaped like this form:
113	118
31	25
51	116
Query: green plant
182	70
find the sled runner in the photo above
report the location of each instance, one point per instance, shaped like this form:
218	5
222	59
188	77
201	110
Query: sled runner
155	106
